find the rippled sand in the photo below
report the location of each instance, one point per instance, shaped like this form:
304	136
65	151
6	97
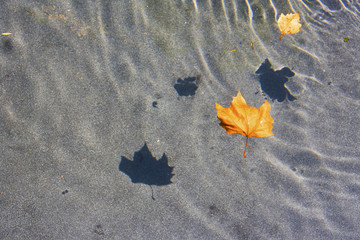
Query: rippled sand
98	142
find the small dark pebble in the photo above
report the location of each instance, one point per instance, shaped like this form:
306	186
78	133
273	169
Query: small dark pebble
64	192
154	104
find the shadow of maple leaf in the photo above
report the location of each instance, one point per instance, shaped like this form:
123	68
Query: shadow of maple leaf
272	82
146	169
187	87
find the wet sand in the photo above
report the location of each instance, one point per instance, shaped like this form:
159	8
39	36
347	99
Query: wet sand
108	126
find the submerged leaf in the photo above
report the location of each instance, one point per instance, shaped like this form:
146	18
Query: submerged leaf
246	120
289	23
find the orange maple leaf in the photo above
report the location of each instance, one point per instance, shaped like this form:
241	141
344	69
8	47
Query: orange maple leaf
242	119
289	23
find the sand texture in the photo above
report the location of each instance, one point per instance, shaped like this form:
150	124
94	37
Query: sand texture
108	125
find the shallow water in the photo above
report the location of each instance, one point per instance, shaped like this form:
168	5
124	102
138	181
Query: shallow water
84	86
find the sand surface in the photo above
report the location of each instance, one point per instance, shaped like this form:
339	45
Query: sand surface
108	126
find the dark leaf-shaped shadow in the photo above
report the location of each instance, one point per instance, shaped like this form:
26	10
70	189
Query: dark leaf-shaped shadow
187	87
272	82
146	169
7	45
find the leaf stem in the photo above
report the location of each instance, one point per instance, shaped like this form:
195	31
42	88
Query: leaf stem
247	138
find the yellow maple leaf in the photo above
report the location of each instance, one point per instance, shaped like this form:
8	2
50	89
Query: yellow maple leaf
246	120
289	23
